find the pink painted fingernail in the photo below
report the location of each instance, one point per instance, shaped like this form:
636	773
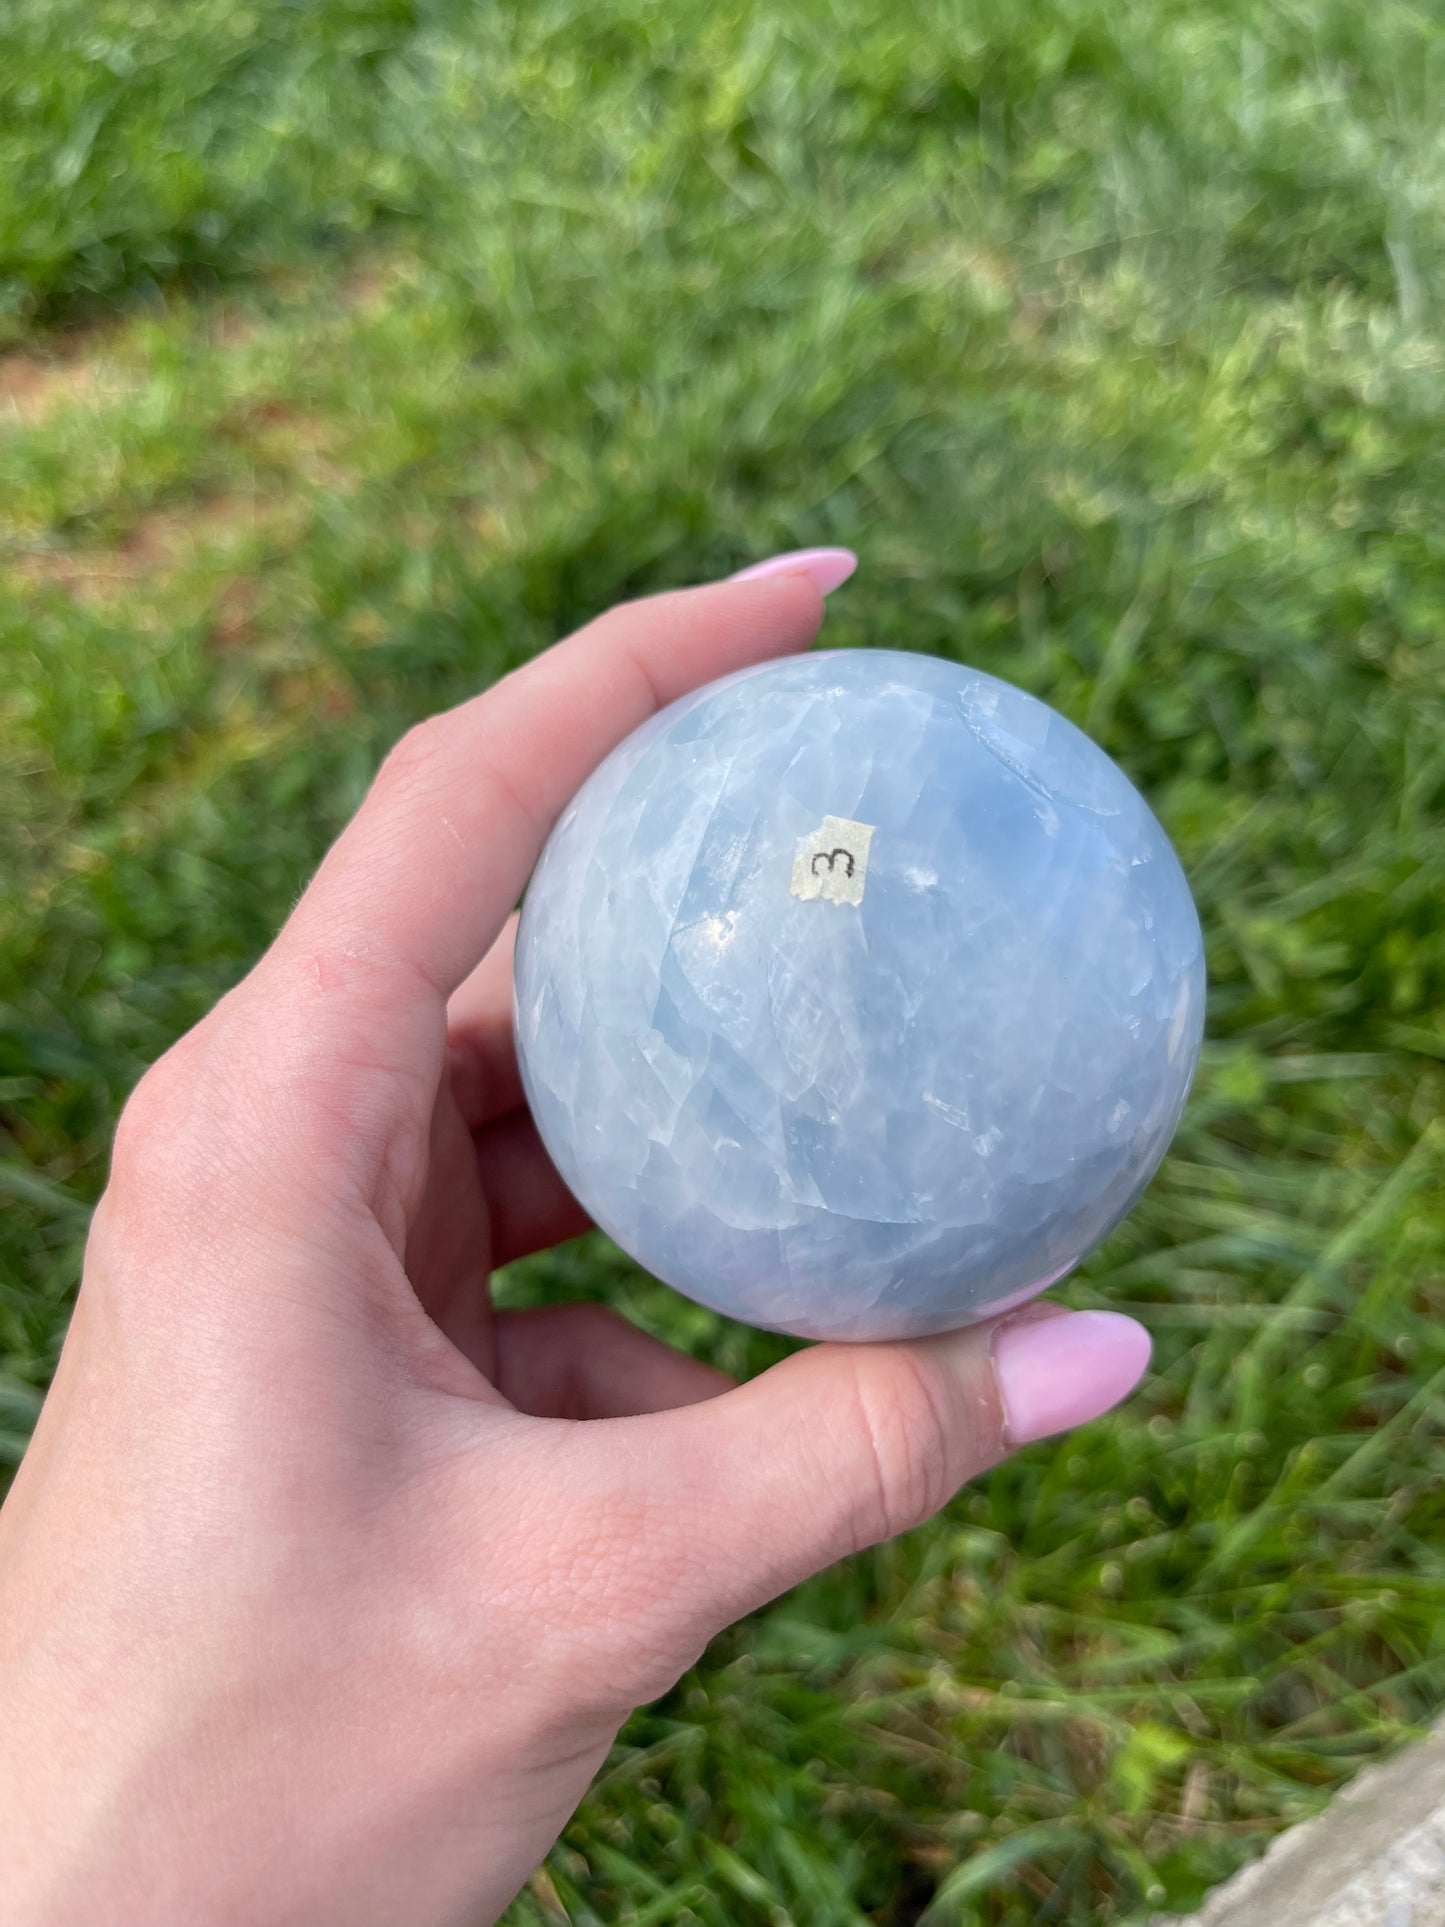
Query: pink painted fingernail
827	567
1055	1372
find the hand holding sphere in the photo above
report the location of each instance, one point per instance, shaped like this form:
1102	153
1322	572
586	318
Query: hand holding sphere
313	1544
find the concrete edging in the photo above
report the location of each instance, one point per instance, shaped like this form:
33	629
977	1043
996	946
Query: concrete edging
1374	1858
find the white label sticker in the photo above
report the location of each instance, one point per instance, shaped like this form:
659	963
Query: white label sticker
832	861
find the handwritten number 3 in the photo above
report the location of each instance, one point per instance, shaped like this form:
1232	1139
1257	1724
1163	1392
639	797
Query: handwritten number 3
830	857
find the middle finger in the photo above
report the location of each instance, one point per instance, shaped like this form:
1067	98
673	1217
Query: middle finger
481	1054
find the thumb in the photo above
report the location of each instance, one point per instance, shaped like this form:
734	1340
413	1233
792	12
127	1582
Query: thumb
843	1445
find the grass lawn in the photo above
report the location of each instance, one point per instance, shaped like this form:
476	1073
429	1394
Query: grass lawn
352	351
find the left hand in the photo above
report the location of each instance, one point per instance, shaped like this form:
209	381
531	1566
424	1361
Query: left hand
318	1605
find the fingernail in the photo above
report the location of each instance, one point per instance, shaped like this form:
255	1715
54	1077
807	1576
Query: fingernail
827	567
1053	1373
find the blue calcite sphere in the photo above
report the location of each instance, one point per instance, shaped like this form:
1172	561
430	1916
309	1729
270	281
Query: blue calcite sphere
858	994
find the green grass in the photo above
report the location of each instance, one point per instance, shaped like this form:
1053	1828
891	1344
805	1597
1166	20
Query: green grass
358	350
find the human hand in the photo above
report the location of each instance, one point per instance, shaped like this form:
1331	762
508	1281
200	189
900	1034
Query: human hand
324	1589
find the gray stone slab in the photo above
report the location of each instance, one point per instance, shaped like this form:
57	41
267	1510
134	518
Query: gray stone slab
1374	1858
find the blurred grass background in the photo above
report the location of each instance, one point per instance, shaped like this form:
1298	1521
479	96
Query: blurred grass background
352	351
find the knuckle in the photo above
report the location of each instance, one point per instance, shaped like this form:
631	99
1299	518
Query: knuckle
410	764
210	1109
168	1154
155	1116
617	620
907	1437
260	1098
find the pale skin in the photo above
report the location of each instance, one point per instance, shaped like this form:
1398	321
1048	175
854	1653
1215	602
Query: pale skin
324	1589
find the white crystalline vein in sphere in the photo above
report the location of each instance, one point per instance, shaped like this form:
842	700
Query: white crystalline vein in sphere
874	1076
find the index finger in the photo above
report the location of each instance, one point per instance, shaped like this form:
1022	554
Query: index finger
344	1021
428	870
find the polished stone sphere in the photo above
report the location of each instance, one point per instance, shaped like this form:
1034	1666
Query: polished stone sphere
858	994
